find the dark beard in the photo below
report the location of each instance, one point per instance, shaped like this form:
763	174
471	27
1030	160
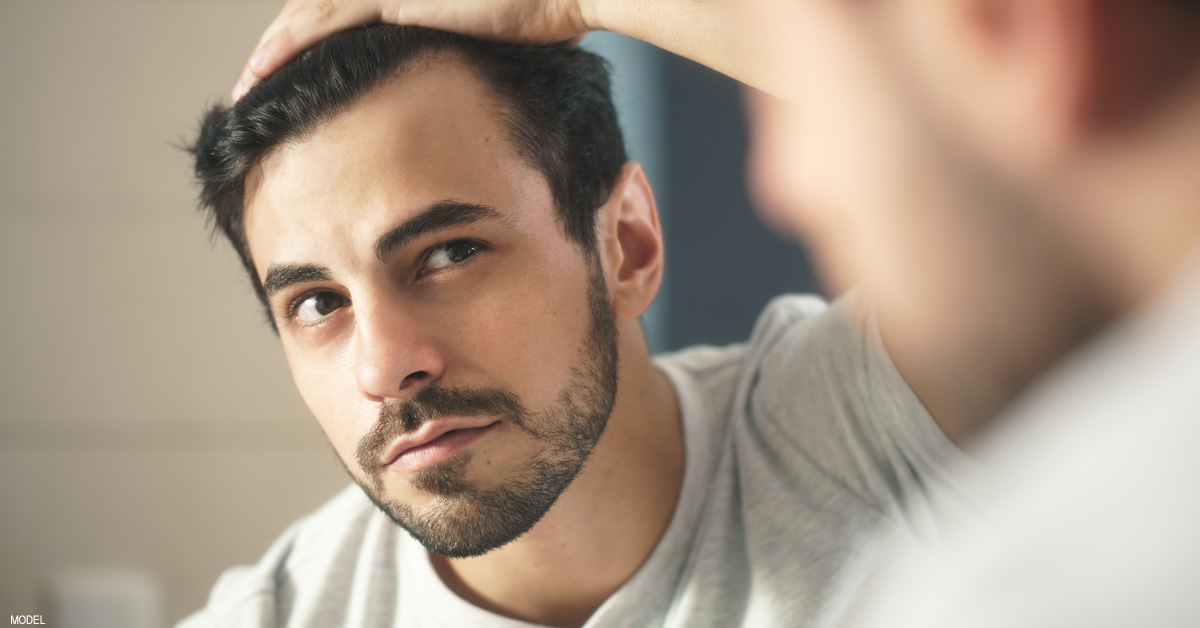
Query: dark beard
465	521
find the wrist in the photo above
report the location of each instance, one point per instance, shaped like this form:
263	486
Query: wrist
627	17
589	12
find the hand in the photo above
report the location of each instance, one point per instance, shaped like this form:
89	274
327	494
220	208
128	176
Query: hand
303	23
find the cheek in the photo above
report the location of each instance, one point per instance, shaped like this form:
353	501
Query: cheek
524	336
330	391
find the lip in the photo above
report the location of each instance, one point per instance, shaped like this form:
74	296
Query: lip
436	442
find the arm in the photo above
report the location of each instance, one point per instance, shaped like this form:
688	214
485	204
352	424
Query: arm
715	33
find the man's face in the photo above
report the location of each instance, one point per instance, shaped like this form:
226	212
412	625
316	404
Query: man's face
457	349
868	168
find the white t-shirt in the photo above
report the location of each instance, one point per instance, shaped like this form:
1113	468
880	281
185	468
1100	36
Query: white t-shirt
1090	516
797	445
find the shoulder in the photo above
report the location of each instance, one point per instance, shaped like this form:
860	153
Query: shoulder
805	350
717	369
785	313
803	341
310	567
823	395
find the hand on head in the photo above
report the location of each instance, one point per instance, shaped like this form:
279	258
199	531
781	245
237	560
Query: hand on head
303	23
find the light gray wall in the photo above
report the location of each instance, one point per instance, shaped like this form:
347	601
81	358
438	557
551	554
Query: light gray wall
147	419
723	264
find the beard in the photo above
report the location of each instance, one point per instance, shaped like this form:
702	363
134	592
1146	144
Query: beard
463	520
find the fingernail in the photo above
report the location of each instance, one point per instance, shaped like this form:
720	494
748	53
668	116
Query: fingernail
257	59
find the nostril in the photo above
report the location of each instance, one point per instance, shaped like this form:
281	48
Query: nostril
413	378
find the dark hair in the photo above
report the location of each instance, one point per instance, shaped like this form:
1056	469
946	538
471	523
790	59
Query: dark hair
554	100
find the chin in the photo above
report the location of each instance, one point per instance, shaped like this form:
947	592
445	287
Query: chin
461	520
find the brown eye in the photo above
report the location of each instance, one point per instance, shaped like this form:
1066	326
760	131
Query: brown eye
450	253
316	306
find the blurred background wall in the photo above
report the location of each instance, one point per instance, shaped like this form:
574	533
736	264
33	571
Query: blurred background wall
147	420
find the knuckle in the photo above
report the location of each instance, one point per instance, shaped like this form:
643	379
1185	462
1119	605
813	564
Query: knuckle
393	12
325	10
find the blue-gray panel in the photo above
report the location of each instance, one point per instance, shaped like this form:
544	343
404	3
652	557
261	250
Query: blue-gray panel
723	264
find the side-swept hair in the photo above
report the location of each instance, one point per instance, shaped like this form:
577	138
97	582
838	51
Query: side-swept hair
555	101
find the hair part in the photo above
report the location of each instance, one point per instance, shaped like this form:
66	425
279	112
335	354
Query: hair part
555	102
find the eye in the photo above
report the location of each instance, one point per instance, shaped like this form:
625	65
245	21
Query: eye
315	306
449	254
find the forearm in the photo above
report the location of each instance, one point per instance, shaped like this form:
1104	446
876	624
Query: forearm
724	35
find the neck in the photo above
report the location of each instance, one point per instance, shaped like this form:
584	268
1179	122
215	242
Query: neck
1013	308
603	527
1105	237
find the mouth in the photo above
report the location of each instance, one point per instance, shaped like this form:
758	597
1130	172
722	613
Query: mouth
430	446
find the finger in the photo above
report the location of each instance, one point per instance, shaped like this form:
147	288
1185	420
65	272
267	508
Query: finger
273	52
244	83
297	30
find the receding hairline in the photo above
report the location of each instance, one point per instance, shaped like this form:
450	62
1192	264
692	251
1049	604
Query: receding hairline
554	102
426	60
498	110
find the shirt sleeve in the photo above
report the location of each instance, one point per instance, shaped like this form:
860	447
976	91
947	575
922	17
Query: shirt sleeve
828	404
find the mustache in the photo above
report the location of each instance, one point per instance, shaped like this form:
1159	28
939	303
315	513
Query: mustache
430	403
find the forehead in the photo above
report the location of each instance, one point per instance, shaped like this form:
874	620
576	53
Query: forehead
429	135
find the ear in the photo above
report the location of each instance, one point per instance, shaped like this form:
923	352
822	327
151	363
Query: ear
630	241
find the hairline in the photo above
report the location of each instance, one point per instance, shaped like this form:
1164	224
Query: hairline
502	111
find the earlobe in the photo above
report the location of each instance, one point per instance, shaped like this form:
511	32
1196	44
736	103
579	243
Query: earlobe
632	247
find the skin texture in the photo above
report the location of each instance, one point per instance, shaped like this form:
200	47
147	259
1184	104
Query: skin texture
514	316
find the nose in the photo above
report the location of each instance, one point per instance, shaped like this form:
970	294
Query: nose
396	354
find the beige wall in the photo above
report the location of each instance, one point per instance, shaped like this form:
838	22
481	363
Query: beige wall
146	415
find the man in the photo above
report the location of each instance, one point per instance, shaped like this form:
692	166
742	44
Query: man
455	252
1012	181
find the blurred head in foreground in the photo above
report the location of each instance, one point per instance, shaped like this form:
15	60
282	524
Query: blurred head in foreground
452	248
1006	177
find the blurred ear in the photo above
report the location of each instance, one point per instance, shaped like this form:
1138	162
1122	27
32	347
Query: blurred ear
630	242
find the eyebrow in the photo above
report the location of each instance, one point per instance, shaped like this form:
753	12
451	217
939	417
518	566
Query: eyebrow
283	275
440	215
